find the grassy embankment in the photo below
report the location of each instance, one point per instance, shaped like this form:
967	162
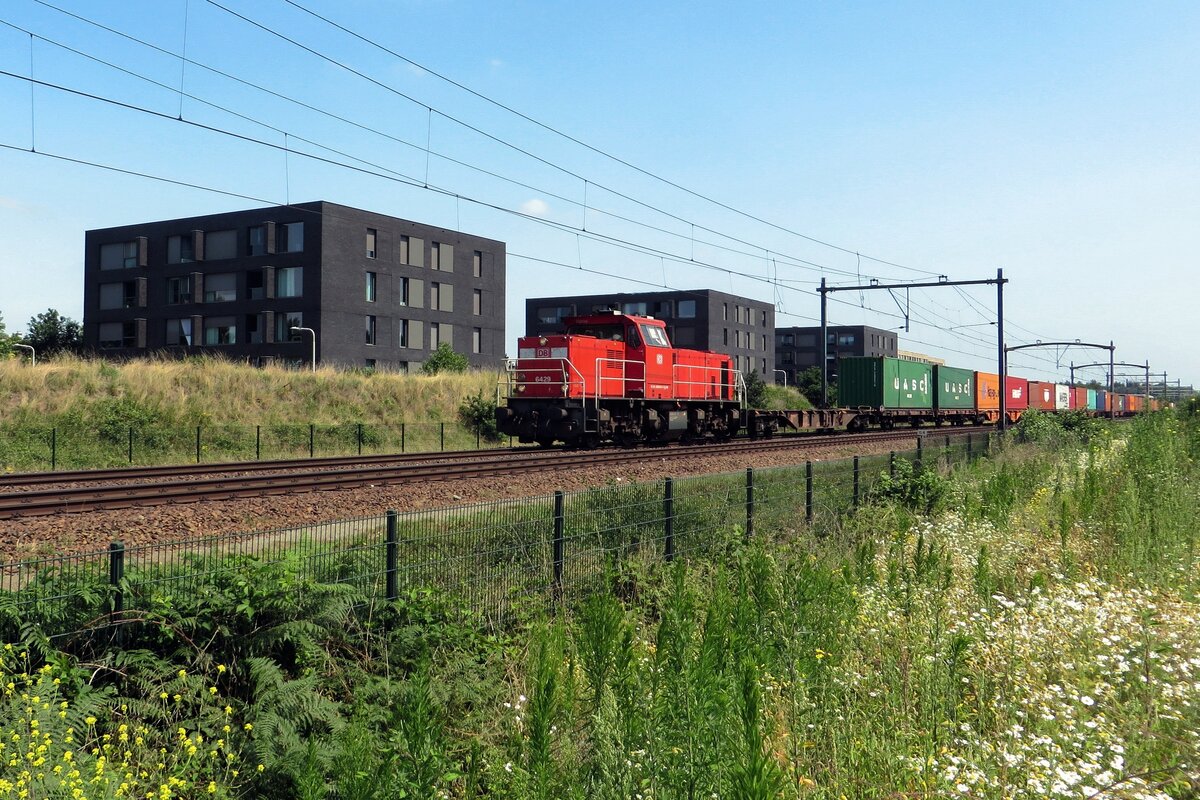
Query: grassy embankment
1029	628
92	405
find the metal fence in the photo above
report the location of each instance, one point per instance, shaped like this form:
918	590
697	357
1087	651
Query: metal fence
490	557
32	448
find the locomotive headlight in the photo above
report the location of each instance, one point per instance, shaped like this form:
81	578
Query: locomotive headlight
520	376
542	341
520	387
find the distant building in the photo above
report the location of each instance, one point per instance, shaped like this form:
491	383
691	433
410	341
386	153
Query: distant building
909	355
379	291
798	349
700	319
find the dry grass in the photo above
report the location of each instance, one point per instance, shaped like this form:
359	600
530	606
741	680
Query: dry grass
208	391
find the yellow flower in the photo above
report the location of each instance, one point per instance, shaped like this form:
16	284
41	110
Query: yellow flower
248	726
183	673
221	668
90	721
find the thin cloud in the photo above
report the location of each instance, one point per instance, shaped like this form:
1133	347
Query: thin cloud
535	207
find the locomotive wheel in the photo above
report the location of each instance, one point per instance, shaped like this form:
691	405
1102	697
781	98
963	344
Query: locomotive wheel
545	442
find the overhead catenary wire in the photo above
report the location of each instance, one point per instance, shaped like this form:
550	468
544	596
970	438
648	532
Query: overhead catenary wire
776	282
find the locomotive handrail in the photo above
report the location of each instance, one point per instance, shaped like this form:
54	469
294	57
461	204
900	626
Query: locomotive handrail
564	369
624	379
707	370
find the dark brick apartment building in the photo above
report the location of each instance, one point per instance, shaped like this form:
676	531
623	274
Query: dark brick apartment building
377	290
797	349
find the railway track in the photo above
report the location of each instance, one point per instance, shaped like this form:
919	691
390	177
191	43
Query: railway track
89	490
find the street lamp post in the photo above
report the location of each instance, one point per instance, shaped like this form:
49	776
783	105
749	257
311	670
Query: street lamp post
32	353
313	334
783	372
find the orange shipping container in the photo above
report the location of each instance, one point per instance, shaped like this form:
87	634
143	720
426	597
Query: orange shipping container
987	391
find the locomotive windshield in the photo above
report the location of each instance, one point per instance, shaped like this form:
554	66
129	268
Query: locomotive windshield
655	336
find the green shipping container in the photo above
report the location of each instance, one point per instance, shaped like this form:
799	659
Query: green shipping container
881	382
955	387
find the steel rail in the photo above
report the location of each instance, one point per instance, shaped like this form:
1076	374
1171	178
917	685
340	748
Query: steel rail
81	498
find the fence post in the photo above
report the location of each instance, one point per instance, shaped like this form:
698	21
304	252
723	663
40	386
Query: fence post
856	482
892	464
130	444
808	492
53	449
197	444
920	453
258	442
669	519
401	437
360	438
478	437
116	573
970	447
312	439
749	503
559	546
442	433
393	551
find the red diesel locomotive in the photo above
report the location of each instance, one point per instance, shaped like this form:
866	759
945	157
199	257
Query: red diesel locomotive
616	377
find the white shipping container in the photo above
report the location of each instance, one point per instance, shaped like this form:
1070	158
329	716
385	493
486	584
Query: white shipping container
1062	397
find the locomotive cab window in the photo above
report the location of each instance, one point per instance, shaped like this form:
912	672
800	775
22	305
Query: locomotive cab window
655	336
610	332
631	336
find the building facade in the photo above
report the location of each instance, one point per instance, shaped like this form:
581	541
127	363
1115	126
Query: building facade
700	319
377	291
798	349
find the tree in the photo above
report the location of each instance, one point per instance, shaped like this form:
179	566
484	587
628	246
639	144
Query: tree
444	359
809	384
756	390
5	340
51	332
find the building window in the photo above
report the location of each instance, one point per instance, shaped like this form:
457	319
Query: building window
476	340
179	332
220	330
117	334
370	329
737	313
435	330
284	322
737	338
441	256
412	251
764	366
179	290
220	245
637	309
441	296
257	241
370	287
119	255
291	236
764	341
220	288
552	315
180	249
255	289
477	302
370	242
403	293
725	336
764	319
404	333
687	309
289	282
725	312
118	295
789	357
845	339
252	333
477	264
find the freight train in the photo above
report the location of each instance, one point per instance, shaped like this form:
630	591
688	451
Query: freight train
616	377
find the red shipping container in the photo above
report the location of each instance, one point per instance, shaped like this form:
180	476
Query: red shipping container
1041	395
1018	393
1079	397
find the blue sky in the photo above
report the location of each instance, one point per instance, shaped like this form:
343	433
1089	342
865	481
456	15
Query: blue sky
1058	141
